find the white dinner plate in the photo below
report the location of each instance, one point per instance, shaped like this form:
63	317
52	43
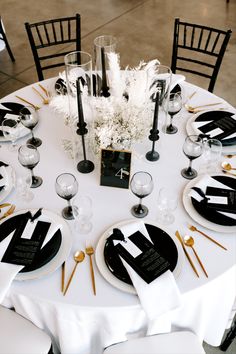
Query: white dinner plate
191	130
197	217
4	192
112	279
62	253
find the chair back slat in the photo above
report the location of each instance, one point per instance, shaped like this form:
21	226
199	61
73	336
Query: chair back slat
46	34
198	49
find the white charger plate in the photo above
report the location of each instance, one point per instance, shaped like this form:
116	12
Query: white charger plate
197	217
112	279
62	253
191	131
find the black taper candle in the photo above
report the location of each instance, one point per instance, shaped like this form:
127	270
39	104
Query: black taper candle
105	88
156	112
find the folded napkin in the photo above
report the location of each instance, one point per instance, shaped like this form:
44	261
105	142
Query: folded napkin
8	271
3	176
175	80
161	294
216	194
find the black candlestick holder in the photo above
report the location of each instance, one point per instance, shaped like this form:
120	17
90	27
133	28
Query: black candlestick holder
153	155
84	166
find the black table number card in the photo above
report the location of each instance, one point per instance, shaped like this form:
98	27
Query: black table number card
149	263
115	168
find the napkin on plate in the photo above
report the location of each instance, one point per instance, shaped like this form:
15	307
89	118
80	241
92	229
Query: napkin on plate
160	295
8	271
3	176
216	194
175	80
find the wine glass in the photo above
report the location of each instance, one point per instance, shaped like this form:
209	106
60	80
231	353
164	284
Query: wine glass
22	182
66	187
11	131
29	117
166	203
212	149
82	211
174	106
29	157
141	185
192	148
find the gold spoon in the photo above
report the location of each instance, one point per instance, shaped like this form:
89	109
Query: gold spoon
227	166
230	156
194	109
189	241
78	257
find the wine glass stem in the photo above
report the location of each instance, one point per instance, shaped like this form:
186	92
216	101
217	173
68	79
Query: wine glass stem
69	205
190	166
171	120
140	208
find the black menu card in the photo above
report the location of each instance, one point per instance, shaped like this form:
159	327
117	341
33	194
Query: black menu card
149	264
228	194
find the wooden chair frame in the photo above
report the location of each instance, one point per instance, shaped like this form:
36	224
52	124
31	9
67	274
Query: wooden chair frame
4	38
49	33
191	38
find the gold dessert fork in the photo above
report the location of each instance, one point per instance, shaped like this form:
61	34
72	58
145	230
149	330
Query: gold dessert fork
193	228
90	251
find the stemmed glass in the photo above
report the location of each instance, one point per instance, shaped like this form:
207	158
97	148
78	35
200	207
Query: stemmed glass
141	185
192	148
29	157
174	106
11	131
22	183
166	203
29	117
66	187
82	211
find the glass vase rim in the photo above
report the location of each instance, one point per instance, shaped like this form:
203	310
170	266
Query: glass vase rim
76	52
105	36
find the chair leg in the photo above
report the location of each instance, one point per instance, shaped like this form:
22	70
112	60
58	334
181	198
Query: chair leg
8	47
229	338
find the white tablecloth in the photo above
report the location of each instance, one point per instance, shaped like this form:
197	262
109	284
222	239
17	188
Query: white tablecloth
82	323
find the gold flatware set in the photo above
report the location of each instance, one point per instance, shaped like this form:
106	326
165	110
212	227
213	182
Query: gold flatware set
79	257
44	99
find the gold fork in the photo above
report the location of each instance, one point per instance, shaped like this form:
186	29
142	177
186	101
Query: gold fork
45	100
193	228
8	212
90	251
44	90
31	104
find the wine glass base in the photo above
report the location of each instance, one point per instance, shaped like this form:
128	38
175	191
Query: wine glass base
36	182
189	175
165	219
83	228
171	129
34	141
139	212
67	213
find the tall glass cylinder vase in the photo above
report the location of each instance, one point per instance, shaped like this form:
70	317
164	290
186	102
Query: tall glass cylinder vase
78	67
102	46
159	80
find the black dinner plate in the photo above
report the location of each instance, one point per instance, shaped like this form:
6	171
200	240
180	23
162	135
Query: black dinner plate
220	119
12	108
46	253
211	214
162	242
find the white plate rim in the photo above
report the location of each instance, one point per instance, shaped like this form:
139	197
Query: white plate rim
109	277
62	253
194	214
190	130
6	191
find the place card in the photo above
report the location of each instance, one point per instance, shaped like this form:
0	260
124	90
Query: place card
24	250
142	256
115	168
221	199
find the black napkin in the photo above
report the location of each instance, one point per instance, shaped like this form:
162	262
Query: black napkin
163	244
12	108
211	212
218	119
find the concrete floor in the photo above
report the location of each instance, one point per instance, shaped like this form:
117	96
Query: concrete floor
144	30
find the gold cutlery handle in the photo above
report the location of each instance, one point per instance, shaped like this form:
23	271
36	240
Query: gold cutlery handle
229	173
200	262
209	104
35	90
62	276
71	276
92	274
24	100
186	253
212	239
44	90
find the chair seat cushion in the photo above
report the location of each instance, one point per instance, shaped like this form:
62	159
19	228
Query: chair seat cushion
170	343
20	336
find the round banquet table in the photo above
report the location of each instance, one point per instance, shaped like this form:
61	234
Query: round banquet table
80	322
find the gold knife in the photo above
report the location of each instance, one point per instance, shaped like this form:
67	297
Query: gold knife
177	234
